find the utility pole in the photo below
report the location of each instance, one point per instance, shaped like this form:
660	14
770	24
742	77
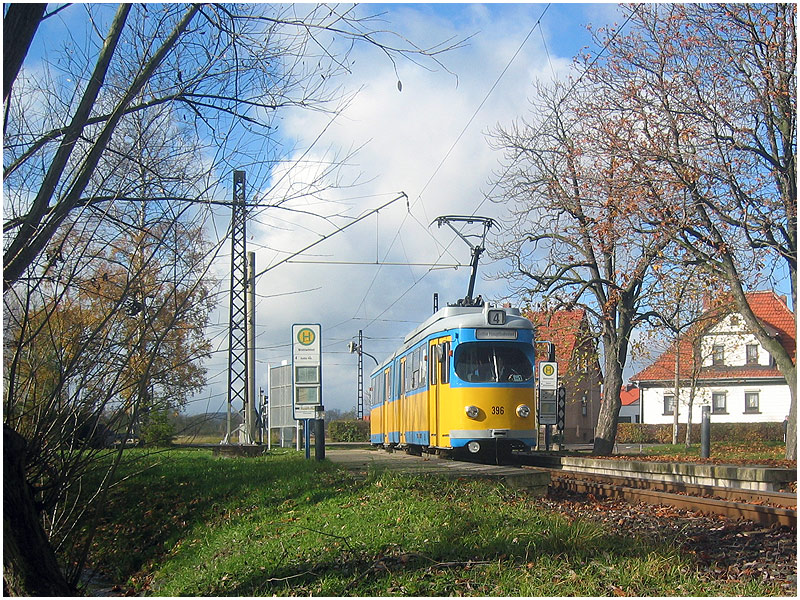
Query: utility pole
360	405
358	348
237	328
250	407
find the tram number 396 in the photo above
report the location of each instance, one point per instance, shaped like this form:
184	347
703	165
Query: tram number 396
498	410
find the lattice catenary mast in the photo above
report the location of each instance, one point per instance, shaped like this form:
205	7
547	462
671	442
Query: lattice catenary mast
237	333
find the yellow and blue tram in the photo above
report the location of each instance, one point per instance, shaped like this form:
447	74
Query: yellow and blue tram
462	379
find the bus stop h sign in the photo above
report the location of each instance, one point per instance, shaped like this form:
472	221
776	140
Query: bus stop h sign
306	369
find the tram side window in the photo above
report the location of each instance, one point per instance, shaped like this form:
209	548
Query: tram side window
377	386
445	362
433	362
414	369
398	380
492	363
423	368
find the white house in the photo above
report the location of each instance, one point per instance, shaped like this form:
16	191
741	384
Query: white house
732	373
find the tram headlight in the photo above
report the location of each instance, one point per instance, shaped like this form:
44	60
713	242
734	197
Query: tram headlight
472	412
524	411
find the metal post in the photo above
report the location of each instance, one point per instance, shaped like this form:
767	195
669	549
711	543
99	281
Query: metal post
307	436
262	414
705	433
319	434
250	409
360	405
269	418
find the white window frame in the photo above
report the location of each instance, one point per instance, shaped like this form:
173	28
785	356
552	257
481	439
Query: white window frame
757	409
714	410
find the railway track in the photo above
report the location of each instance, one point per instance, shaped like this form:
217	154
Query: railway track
765	508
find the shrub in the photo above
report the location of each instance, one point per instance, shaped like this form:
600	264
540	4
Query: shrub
644	433
348	431
156	429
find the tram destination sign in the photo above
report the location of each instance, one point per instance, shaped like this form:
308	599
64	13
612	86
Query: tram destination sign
306	369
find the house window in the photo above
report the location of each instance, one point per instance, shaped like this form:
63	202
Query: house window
669	405
719	403
718	355
751	402
752	354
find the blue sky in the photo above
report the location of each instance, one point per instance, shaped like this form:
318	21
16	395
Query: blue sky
428	140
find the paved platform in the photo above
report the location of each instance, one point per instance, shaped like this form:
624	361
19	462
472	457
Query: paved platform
759	478
360	461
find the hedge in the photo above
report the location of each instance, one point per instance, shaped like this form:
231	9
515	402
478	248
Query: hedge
348	431
642	433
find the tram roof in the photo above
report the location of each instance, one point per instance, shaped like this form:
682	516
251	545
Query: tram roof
465	317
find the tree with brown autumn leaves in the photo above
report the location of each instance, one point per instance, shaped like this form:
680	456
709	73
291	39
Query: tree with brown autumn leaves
579	236
689	118
714	88
115	146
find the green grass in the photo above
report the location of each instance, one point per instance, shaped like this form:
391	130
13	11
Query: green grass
197	525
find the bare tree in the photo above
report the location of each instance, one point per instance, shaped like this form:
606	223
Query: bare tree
113	156
578	236
680	301
715	89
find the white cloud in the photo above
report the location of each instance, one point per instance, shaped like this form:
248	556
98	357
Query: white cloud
409	141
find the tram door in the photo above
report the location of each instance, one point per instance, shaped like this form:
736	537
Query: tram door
400	402
439	377
387	394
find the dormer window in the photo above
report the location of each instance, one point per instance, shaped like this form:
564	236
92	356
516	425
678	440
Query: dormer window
718	355
751	351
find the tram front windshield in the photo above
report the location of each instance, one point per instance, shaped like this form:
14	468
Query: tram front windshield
492	363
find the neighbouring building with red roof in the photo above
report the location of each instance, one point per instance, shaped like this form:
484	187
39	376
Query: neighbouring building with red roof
630	409
578	368
722	365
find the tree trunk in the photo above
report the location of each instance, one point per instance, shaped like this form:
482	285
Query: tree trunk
689	417
791	426
19	26
785	363
30	567
675	408
606	431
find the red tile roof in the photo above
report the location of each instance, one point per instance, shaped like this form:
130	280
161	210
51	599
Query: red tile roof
768	307
567	329
629	394
772	309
